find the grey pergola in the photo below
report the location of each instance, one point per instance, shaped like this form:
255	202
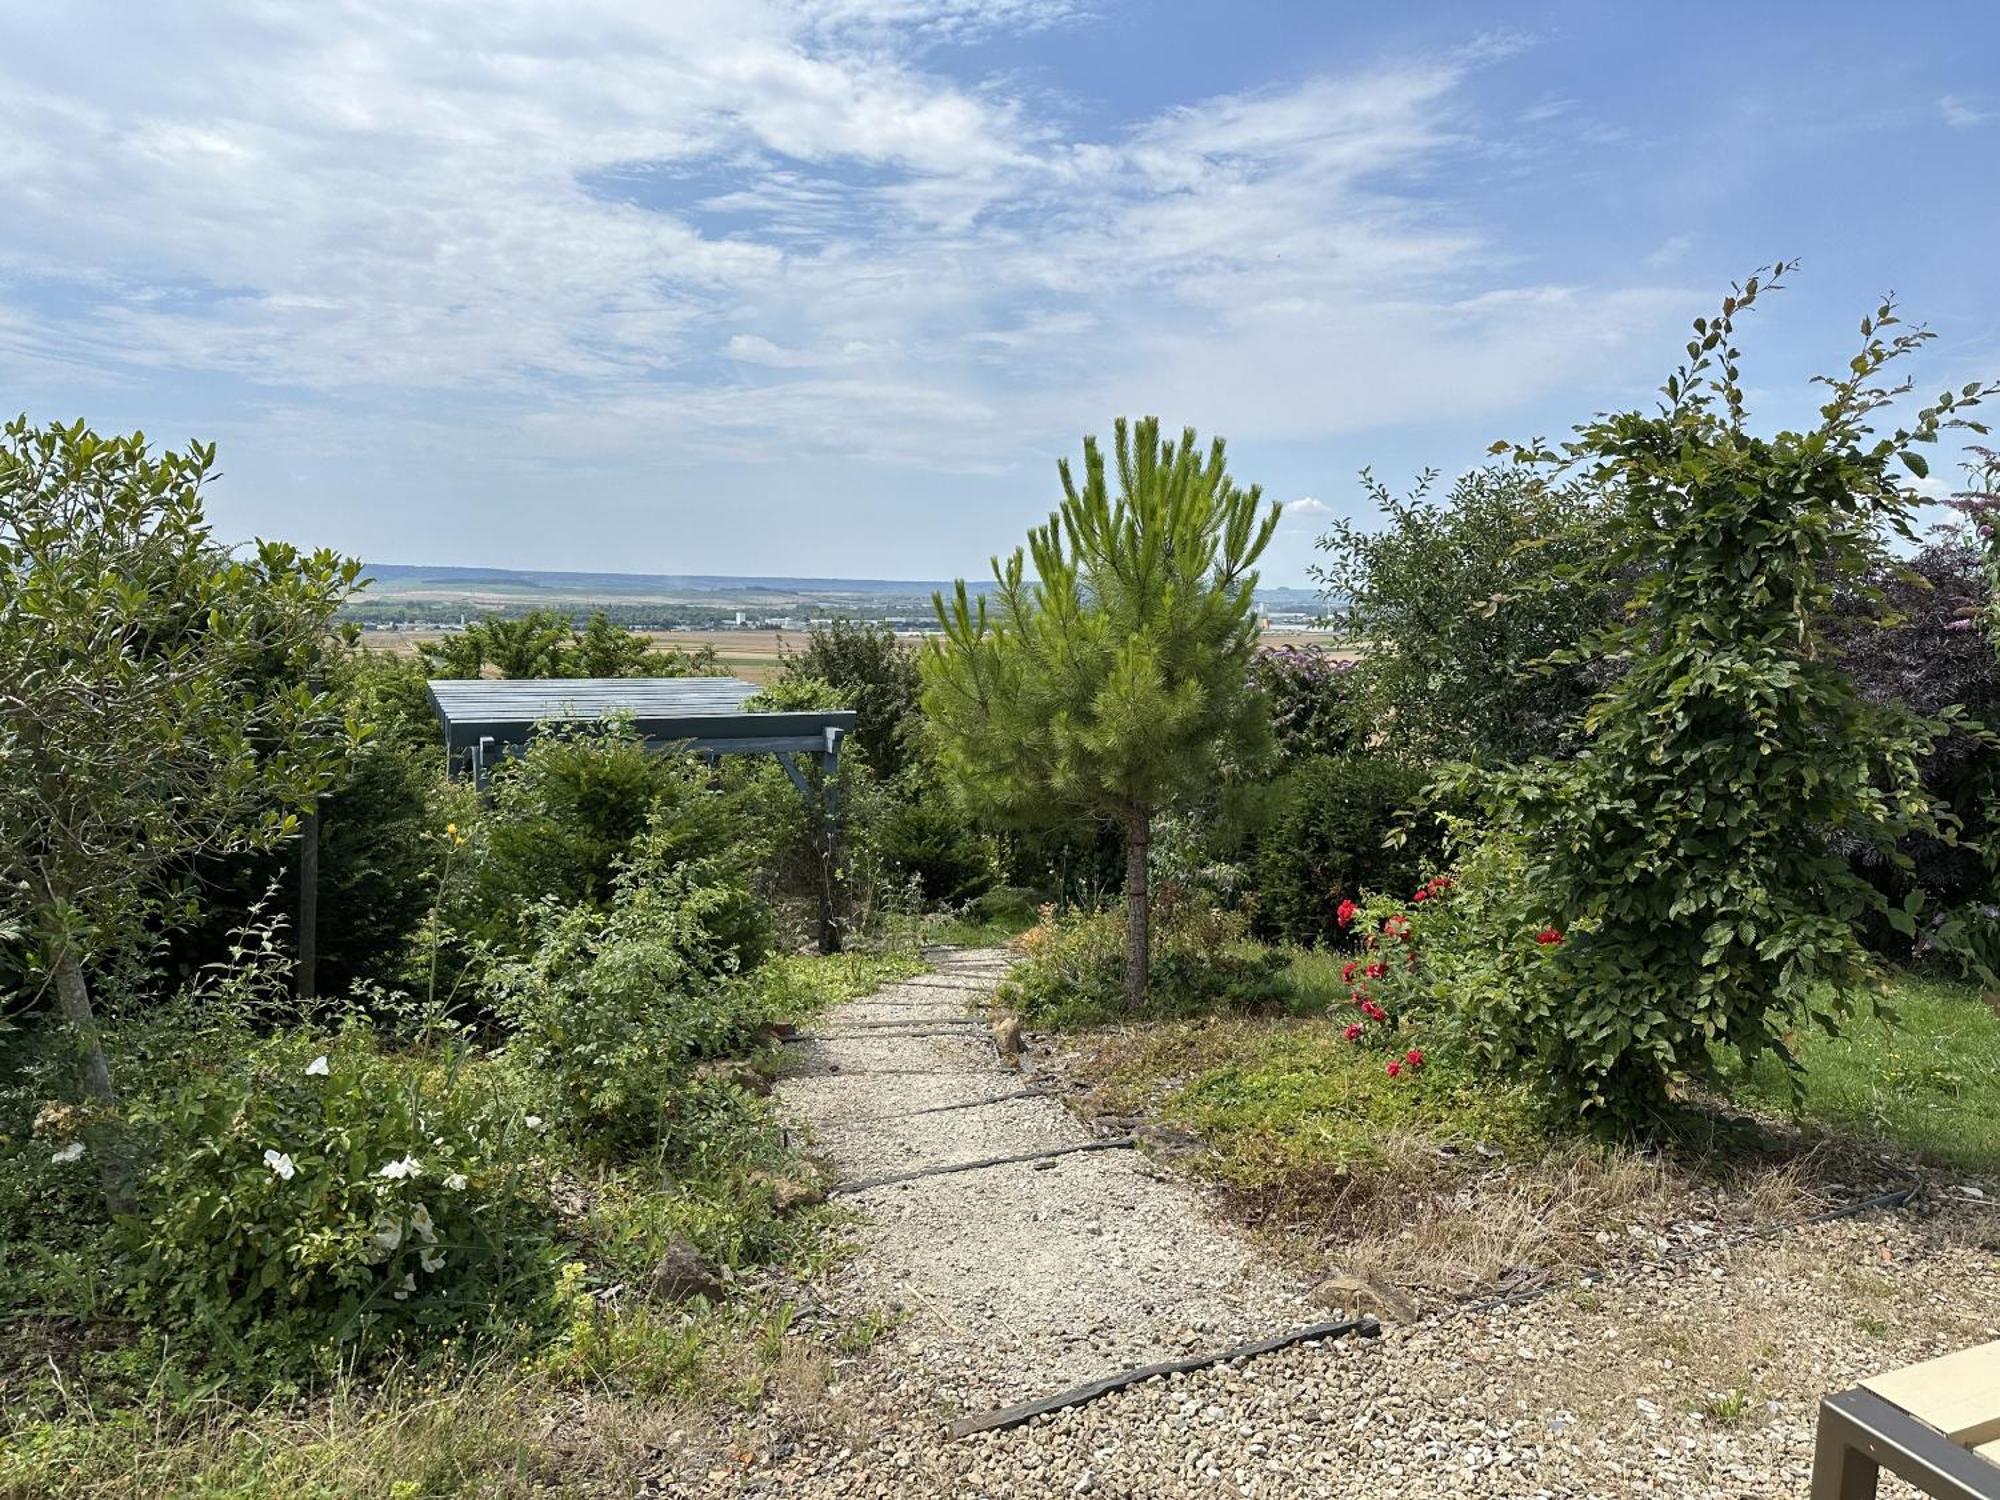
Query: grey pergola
487	719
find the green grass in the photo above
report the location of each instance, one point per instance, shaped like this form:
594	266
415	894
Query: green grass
1276	1097
1929	1083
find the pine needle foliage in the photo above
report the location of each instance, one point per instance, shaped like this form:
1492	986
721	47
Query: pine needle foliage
1112	681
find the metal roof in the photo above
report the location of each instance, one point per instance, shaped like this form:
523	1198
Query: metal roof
488	717
533	700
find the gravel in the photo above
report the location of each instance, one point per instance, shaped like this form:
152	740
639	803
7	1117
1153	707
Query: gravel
1695	1378
1013	1281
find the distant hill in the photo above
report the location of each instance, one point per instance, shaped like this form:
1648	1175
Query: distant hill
403	576
485	587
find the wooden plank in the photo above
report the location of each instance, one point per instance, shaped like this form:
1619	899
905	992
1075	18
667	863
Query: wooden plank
1989	1451
1958	1394
1027	1411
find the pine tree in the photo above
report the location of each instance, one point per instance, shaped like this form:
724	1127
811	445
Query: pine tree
1114	683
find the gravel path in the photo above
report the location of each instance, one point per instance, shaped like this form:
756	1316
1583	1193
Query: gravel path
1697	1378
1014	1281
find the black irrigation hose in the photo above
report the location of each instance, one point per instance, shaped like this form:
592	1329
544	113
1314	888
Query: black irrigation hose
1367	1327
938	1109
1027	1411
862	1184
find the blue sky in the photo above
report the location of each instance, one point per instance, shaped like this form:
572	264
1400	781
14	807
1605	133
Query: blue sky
738	286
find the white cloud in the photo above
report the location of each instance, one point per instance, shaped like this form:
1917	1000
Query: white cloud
1307	513
1670	251
1960	114
744	227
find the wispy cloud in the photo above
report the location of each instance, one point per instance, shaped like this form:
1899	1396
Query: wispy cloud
1960	114
744	228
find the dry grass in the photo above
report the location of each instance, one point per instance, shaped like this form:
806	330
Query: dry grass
1450	1189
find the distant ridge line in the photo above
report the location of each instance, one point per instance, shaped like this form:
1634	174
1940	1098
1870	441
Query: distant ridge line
463	576
561	578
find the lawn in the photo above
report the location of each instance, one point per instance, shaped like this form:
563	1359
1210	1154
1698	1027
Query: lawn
1929	1083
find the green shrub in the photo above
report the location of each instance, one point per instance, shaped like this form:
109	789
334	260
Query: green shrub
584	804
926	836
313	1190
1457	606
1202	961
1695	849
1324	843
873	673
613	1008
1316	702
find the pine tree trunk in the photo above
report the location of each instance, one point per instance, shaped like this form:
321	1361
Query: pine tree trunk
1138	916
73	996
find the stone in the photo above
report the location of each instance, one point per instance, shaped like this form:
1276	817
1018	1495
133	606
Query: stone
1355	1295
680	1275
1007	1038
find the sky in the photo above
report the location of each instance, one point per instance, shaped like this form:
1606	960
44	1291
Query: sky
827	287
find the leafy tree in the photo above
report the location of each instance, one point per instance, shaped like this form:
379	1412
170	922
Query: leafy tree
1313	697
1689	855
154	701
874	674
1980	500
1907	638
379	823
543	643
1116	682
1454	604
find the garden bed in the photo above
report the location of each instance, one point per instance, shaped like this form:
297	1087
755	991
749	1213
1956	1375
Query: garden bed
1449	1188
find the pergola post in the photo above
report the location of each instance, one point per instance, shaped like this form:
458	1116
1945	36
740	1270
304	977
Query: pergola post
832	886
308	977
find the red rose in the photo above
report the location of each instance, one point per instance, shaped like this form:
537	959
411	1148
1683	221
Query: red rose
1395	1069
1377	970
1346	912
1353	1032
1414	1057
1423	895
1347	972
1548	937
1373	1011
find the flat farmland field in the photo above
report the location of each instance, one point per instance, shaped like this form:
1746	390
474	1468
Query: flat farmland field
755	655
752	655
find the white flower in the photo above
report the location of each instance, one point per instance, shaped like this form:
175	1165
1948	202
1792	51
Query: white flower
420	1220
317	1068
431	1260
456	1182
388	1233
69	1153
409	1166
533	1122
280	1163
409	1285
